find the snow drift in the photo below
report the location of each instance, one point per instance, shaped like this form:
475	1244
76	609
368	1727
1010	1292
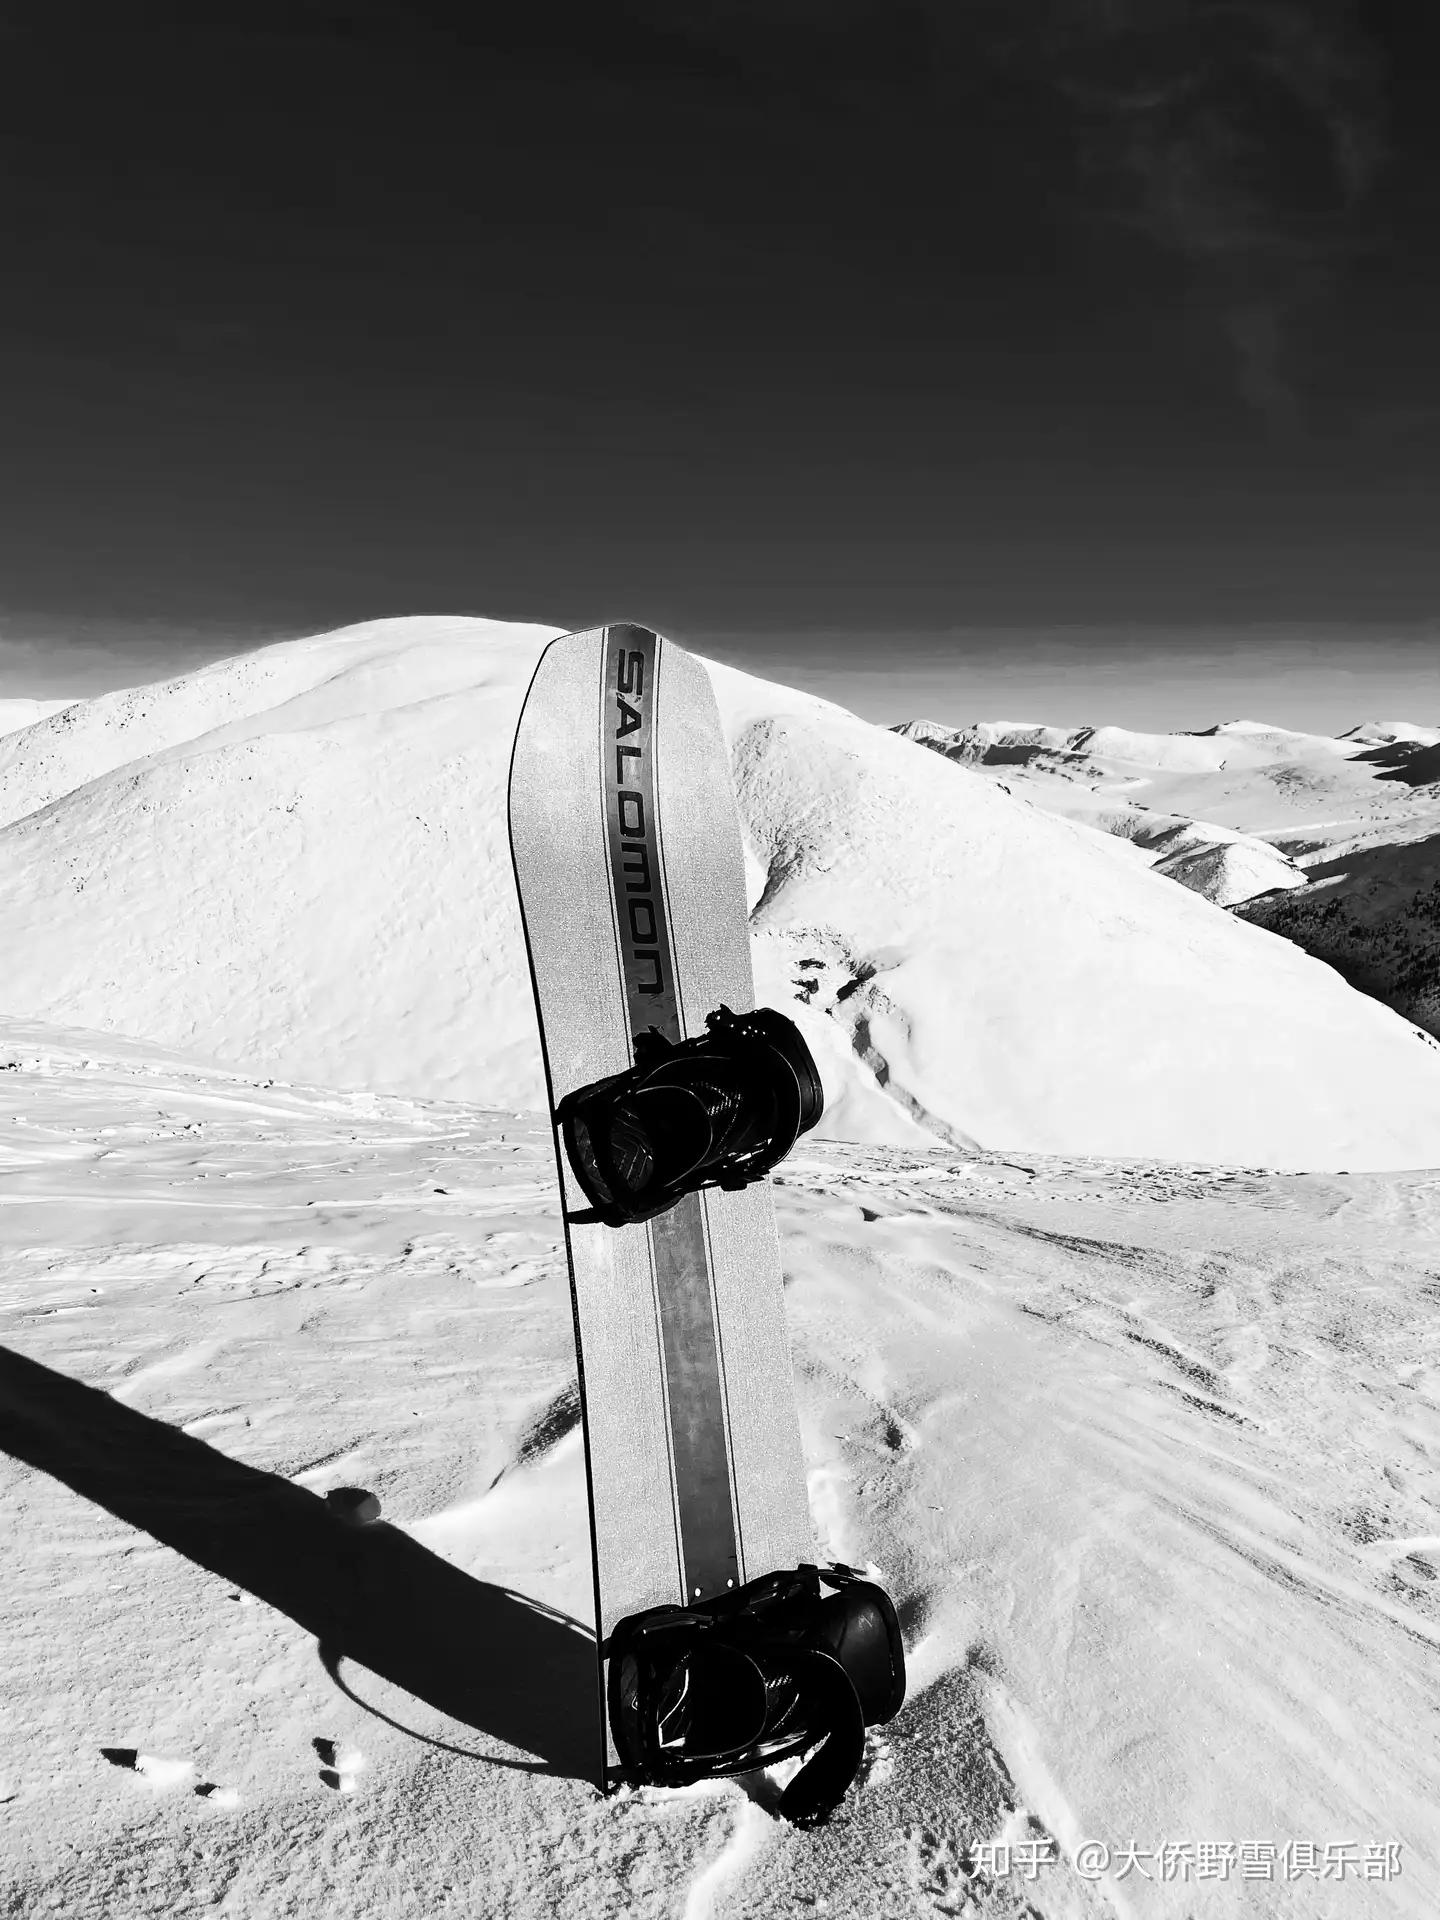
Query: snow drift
296	861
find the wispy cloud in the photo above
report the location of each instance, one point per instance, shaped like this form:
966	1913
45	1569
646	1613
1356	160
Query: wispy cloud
1241	136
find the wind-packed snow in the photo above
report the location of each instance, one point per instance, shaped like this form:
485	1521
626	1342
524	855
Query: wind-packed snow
1146	1452
296	861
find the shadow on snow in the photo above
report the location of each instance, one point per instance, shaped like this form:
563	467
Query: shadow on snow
491	1659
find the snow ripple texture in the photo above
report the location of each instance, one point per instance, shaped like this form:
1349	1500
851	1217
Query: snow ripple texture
1147	1450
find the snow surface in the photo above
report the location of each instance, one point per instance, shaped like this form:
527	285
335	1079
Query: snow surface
296	861
1148	1453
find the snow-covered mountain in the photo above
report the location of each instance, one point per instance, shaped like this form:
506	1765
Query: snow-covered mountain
1334	843
296	861
15	713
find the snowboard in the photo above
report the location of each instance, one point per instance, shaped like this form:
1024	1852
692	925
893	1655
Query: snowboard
628	860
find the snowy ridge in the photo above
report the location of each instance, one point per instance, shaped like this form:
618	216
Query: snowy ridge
1232	743
15	714
1387	733
296	861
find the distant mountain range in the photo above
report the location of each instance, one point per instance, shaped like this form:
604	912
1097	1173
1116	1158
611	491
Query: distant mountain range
1333	843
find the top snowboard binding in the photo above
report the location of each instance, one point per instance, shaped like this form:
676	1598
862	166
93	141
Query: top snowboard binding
759	1675
718	1110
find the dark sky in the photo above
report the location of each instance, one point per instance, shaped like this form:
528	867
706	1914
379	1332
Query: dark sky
733	315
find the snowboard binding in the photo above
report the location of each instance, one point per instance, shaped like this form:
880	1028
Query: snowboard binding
718	1110
770	1671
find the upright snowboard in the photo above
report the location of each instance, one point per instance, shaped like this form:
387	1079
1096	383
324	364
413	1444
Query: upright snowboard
628	859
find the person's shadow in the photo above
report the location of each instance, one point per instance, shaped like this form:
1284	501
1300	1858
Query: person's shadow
488	1658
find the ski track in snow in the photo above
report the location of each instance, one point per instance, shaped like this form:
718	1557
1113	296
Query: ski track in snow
1147	1453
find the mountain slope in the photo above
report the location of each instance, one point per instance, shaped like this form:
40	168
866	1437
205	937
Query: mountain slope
1372	913
297	862
1330	842
15	714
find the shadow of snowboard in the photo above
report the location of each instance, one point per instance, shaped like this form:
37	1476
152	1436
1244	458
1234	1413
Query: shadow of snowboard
490	1659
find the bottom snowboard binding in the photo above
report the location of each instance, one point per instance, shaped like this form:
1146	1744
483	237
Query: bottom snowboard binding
718	1110
759	1675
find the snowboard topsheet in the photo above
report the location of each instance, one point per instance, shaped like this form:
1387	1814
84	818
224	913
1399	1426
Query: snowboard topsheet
626	843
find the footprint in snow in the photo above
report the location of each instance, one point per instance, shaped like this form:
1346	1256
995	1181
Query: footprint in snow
169	1776
552	1423
340	1767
